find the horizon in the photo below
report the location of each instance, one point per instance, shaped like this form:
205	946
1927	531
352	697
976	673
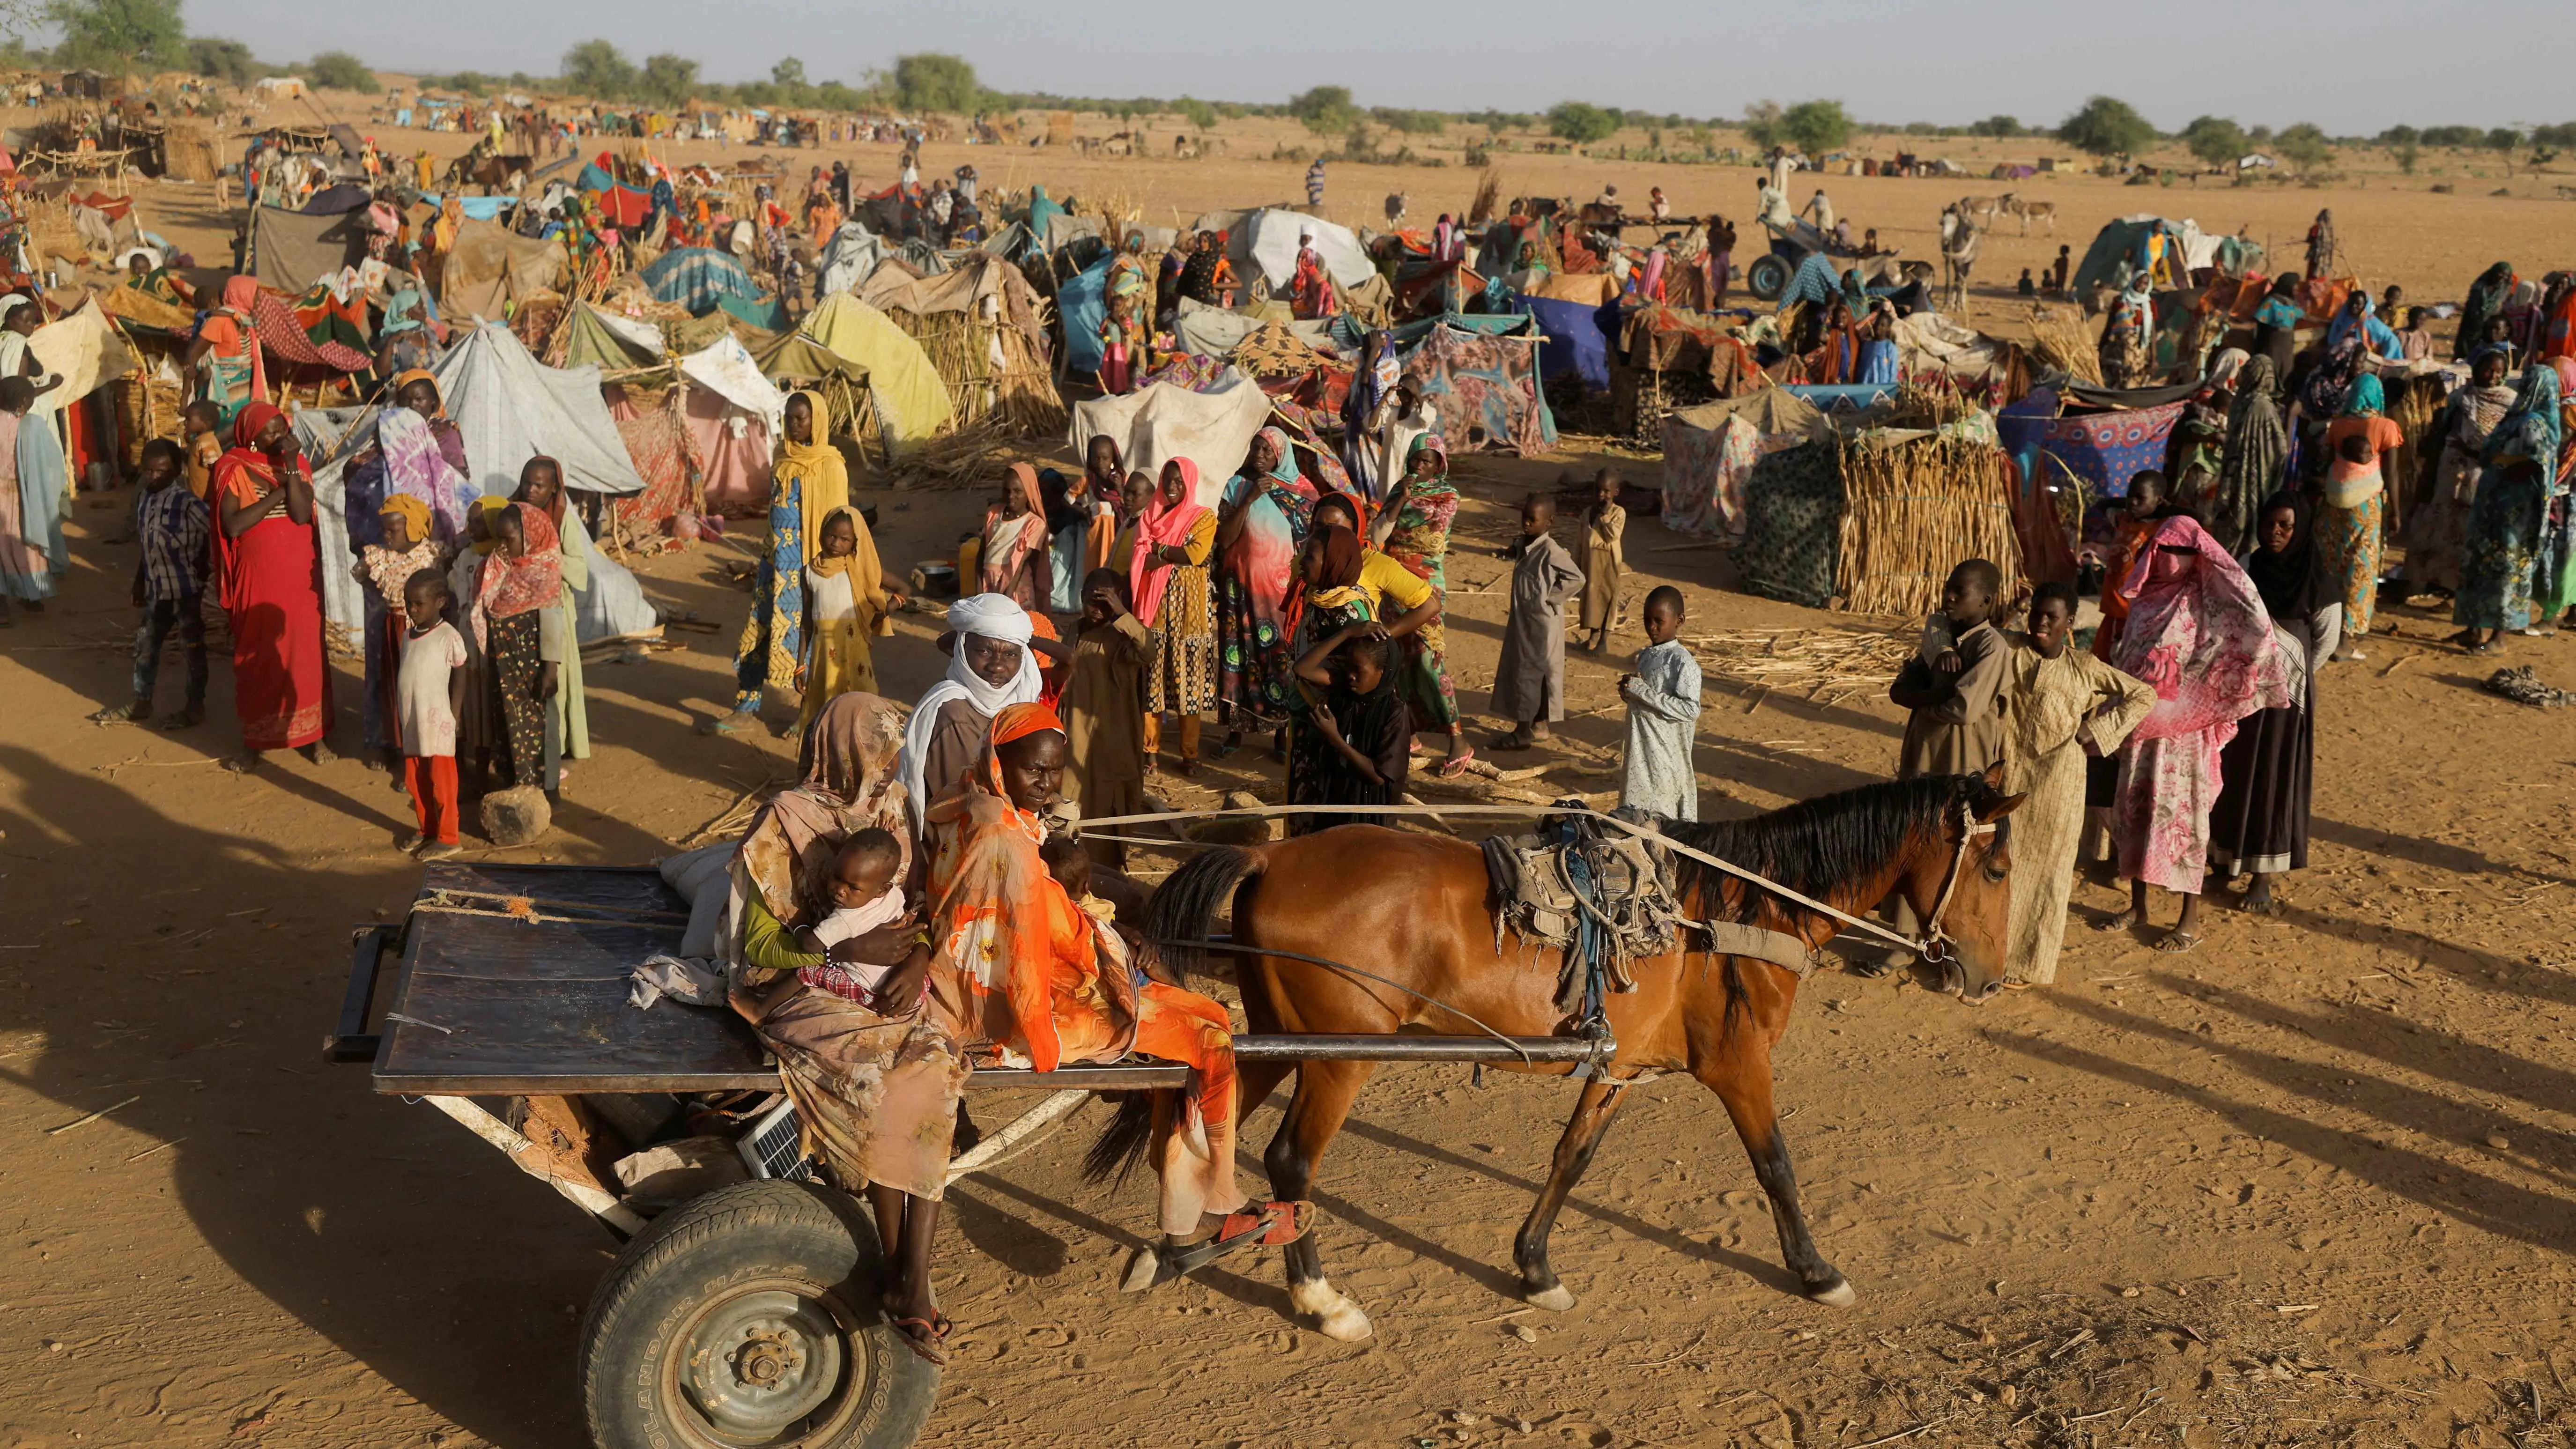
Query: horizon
1860	52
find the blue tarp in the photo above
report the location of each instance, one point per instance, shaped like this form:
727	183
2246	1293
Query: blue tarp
1079	302
1578	338
592	178
699	278
771	313
480	208
1839	397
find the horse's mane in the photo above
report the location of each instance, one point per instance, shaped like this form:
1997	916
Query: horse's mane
1816	845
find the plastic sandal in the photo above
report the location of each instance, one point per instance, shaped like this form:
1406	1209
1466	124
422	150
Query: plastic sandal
1452	769
922	1336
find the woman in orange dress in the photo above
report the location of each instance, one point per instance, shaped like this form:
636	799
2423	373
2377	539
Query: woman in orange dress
264	563
1042	980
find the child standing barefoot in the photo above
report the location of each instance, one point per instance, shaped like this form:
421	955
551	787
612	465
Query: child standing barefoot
1663	715
1529	683
429	693
1605	561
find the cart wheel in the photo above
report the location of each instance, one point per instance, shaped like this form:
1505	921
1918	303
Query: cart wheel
1767	278
748	1319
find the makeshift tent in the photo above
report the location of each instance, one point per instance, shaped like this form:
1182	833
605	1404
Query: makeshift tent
1160	422
1793	504
1710	452
766	314
291	251
2131	239
336	199
983	327
658	443
849	258
283	338
1485	389
510	408
596	337
1266	247
911	403
1208	331
698	278
795	362
1578	337
732	413
1914	504
619	206
1591	289
490	267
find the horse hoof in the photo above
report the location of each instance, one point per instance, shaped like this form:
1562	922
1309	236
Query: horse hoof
1554	1300
1336	1316
1140	1271
1837	1294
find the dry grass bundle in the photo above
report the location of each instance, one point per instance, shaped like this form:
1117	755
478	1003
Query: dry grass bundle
1826	666
1018	392
1116	210
1489	194
143	307
2062	341
970	457
1913	512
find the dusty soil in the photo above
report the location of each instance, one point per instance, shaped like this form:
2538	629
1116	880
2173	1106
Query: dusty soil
2306	1186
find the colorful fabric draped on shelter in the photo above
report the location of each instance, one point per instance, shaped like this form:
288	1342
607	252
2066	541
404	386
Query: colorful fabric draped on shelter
658	442
1710	452
1485	389
912	404
281	334
2105	450
1579	336
1794	507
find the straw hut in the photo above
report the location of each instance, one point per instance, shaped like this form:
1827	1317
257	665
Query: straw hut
985	330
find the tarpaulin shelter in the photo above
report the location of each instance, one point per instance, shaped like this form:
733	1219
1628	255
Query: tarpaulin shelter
1710	452
620	205
732	413
849	258
1485	389
768	314
1210	331
698	278
336	199
1079	302
282	336
658	444
291	251
912	405
1265	247
1578	337
84	348
2132	239
491	266
597	337
796	361
1793	508
1160	422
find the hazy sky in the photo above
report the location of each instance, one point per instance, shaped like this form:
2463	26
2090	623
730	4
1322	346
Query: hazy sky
2353	68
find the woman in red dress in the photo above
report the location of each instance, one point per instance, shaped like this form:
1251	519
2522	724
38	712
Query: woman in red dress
264	563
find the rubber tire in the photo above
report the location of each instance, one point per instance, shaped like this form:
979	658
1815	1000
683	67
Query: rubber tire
744	1232
1767	277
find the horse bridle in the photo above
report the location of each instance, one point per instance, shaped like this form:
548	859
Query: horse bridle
1935	946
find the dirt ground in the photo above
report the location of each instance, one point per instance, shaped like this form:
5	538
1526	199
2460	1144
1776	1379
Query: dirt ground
2306	1186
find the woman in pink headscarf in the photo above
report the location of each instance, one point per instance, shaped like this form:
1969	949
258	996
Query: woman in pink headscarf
2199	635
1167	572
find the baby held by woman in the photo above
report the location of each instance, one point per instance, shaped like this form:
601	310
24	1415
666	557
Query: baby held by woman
863	896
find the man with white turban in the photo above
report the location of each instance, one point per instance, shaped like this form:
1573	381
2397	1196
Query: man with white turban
992	667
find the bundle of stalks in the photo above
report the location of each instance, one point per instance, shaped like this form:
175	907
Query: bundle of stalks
1827	666
143	307
1913	512
2062	341
970	457
1489	195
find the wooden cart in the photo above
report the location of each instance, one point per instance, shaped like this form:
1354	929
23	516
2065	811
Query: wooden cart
745	1317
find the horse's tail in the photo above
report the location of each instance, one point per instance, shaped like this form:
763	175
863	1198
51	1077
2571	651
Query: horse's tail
1122	1144
1185	906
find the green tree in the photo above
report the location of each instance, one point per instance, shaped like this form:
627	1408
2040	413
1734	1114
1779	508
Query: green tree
2408	155
1197	112
2561	137
2002	127
338	70
1325	110
118	34
1816	127
788	75
1580	122
598	69
2503	138
1411	123
935	82
2305	147
2451	137
2396	136
1762	124
224	60
834	95
2107	127
2215	140
668	79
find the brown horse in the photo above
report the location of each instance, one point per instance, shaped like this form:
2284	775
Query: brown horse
1420	904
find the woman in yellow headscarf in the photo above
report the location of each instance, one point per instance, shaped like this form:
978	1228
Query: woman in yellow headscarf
807	482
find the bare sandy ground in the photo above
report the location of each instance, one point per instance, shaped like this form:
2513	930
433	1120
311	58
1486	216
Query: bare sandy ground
2306	1186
